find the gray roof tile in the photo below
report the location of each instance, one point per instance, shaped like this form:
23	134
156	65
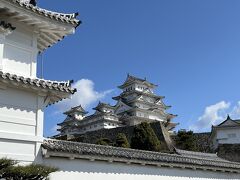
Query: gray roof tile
40	83
181	159
65	18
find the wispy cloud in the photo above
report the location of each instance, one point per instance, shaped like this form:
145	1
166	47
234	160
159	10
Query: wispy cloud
235	112
54	129
212	115
85	95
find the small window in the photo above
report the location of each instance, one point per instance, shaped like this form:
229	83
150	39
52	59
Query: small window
233	135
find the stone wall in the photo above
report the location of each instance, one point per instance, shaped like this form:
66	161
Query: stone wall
202	140
230	152
111	134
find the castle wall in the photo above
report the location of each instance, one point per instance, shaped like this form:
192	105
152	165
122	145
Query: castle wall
21	124
87	170
19	51
228	136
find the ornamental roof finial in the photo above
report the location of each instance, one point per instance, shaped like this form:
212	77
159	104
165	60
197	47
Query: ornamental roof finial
33	2
228	117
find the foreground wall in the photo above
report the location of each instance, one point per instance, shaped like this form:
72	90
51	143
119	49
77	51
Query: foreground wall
97	170
21	124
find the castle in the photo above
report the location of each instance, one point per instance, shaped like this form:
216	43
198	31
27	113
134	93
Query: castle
137	103
27	30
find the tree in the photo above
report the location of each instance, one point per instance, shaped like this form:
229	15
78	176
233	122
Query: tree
9	171
104	141
185	140
122	141
144	138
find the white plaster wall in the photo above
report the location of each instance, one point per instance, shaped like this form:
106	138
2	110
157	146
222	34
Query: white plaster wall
223	136
21	124
140	87
155	117
86	170
20	52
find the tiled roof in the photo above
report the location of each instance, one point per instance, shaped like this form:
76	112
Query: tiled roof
102	105
39	83
184	159
131	79
200	155
125	93
65	18
76	109
232	123
237	121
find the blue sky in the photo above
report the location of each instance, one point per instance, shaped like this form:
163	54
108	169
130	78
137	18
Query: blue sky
191	49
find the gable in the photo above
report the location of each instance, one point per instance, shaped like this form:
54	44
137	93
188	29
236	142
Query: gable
228	123
121	107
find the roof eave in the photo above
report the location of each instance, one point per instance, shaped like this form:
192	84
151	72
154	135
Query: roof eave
51	28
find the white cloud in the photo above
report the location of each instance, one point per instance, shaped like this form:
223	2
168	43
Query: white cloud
54	129
235	113
213	115
85	95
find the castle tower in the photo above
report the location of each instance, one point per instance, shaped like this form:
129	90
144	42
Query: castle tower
71	124
138	103
102	118
25	31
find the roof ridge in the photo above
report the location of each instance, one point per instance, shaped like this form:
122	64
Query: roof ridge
54	85
66	18
81	149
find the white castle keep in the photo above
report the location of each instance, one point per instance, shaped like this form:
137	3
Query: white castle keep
137	103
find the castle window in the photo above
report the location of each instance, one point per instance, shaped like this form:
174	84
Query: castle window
232	135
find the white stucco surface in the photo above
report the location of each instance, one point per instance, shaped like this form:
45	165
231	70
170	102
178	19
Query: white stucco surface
87	170
19	51
228	133
228	136
21	124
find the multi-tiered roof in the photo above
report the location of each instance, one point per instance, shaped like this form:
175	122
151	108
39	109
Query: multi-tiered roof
137	103
140	103
26	30
102	118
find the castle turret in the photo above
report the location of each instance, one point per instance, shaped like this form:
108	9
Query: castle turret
25	31
102	118
70	125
